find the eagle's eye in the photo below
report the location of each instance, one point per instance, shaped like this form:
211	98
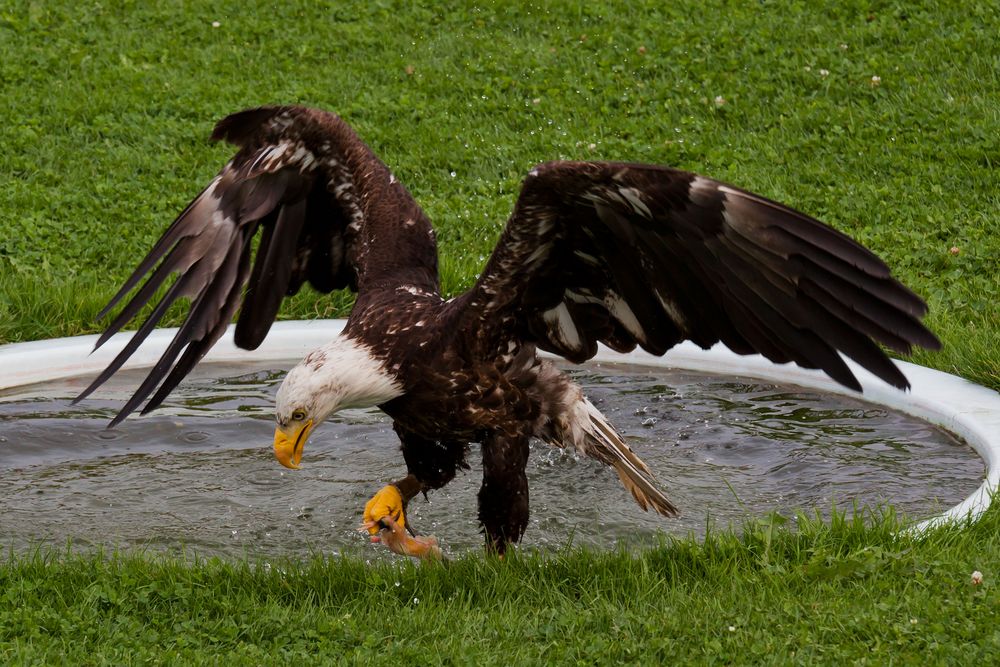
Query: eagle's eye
299	415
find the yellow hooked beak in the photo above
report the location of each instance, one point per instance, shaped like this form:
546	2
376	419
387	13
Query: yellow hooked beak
288	446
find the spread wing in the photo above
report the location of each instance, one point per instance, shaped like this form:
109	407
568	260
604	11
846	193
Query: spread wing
300	179
642	255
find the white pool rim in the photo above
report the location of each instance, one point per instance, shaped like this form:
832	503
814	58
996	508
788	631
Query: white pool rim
966	409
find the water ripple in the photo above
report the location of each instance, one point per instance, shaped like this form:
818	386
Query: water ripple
199	474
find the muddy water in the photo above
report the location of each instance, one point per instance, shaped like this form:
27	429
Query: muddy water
199	476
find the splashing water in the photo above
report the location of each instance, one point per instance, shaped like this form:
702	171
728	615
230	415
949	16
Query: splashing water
199	474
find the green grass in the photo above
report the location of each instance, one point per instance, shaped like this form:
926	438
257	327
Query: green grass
835	593
106	109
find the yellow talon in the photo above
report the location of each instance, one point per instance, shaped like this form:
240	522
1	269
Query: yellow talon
388	502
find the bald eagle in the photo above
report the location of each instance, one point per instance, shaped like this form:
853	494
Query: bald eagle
622	254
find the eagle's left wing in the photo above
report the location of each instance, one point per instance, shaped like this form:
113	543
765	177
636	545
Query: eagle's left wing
629	255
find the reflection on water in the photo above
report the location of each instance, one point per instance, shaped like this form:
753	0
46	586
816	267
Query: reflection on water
199	473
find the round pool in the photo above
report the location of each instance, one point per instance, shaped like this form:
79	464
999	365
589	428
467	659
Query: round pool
729	437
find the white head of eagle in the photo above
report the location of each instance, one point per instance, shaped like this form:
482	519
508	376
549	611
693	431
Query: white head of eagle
341	374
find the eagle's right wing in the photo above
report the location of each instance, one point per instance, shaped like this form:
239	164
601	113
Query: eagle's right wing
299	179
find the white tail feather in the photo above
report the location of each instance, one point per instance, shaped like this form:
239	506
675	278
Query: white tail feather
592	435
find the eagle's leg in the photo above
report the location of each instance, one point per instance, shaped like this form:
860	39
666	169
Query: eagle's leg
503	497
430	464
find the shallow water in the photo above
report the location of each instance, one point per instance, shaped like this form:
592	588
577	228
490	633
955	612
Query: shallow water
199	474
